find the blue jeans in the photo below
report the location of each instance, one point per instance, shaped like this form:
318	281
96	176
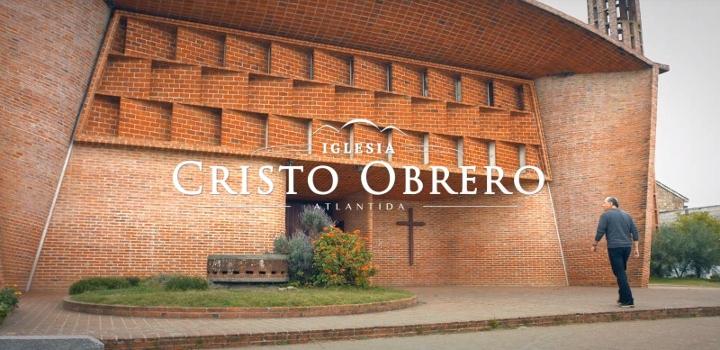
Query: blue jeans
618	262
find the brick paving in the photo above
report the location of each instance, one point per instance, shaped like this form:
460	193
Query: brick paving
42	314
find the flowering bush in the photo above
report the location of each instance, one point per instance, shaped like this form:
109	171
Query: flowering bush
341	258
8	300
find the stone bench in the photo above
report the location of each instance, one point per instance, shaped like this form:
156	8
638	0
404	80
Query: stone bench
265	268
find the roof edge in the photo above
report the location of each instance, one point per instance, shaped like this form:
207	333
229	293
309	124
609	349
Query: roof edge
676	193
590	29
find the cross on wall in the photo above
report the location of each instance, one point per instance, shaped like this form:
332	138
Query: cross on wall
410	223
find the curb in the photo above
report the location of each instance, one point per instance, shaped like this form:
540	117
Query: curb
298	337
237	312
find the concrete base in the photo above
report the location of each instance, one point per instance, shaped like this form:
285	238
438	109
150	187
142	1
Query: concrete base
50	342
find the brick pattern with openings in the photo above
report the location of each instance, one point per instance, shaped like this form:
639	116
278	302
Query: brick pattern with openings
243	129
218	68
164	87
247	54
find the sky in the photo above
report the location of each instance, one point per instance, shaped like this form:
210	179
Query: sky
685	35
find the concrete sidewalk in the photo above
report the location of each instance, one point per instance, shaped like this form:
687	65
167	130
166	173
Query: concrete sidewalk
680	333
42	313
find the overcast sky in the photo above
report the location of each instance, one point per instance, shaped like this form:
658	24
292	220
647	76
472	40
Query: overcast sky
686	35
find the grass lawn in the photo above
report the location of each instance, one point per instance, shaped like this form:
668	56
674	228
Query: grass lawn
243	297
695	282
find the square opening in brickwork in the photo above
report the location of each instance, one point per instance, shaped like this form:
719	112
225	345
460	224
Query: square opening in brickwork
150	39
145	119
118	41
507	94
247	54
443	150
327	136
371	74
473	90
288	135
332	67
224	88
195	124
408	147
244	130
291	61
126	76
408	79
200	47
475	152
176	82
103	117
444	85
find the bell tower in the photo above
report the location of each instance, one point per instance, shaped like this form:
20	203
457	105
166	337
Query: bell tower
619	19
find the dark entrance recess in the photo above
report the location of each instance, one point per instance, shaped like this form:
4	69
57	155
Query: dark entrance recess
292	214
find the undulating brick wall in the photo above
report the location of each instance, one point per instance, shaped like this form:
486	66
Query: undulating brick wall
119	214
600	134
176	81
513	245
168	87
48	52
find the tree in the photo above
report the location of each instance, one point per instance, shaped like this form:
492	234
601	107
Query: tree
689	245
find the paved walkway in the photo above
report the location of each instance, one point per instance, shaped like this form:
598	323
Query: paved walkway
672	334
42	313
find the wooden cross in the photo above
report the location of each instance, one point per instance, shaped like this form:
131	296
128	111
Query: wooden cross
410	224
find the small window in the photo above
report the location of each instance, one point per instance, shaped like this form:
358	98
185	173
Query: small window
490	87
426	149
522	155
311	65
491	153
459	146
424	82
351	70
388	77
458	88
520	97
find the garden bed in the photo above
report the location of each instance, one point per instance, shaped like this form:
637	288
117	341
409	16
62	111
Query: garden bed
246	302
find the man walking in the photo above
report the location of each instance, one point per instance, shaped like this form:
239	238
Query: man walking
622	235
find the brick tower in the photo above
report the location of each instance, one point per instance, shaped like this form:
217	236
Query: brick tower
619	19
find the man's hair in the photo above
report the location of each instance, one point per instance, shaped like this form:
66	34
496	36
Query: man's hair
613	201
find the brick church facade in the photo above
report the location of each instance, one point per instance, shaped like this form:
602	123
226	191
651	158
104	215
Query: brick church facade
103	101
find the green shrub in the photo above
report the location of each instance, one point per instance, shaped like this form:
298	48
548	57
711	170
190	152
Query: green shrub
314	219
715	277
341	258
158	280
100	283
8	301
180	282
281	245
299	250
688	246
9	296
